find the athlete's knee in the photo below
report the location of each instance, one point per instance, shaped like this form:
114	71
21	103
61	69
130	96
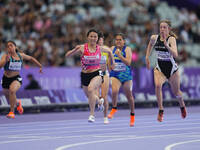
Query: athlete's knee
12	91
91	90
178	94
158	87
115	93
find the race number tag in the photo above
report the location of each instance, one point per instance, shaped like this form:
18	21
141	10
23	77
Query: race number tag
15	66
120	67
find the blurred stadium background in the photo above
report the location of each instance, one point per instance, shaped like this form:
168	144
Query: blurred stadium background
46	29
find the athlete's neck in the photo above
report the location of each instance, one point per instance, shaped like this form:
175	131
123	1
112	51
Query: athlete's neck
92	46
162	39
120	47
12	54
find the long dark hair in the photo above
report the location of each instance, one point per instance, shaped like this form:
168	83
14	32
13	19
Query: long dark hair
100	35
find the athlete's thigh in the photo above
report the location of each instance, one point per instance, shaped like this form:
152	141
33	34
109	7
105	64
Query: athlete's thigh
174	81
105	86
127	87
159	78
95	82
15	85
116	84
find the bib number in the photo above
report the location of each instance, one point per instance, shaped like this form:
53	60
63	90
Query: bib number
120	67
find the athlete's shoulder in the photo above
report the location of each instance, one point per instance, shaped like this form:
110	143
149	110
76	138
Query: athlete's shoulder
154	36
128	47
112	47
172	38
153	39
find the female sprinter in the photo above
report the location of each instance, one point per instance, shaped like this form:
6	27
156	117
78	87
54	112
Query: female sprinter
91	74
122	75
166	69
11	81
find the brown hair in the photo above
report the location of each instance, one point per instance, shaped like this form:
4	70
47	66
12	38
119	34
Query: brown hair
169	24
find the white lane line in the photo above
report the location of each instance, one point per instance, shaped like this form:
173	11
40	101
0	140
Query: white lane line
140	118
107	130
95	126
64	147
169	147
84	122
86	136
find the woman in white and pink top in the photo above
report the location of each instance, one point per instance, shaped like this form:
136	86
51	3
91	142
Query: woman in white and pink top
91	74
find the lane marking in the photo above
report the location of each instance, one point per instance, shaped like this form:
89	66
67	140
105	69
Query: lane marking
97	125
140	118
84	122
106	129
112	140
169	147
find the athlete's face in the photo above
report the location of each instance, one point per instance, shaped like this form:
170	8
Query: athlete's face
164	29
93	37
100	42
119	41
10	47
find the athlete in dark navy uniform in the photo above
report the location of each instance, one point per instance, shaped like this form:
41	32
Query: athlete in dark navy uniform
11	81
166	69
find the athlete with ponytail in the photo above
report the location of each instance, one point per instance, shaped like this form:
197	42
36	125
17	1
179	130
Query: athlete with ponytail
11	81
166	69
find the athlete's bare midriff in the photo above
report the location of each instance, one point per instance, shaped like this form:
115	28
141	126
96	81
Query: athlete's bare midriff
10	74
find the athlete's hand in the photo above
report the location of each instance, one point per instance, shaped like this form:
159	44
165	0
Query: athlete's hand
147	63
40	71
118	52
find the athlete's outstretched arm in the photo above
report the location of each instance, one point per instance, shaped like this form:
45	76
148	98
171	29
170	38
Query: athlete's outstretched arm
77	49
32	59
149	49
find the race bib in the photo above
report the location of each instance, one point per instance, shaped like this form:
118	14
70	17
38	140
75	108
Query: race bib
15	66
120	67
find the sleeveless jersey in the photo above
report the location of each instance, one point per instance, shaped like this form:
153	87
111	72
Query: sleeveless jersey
165	61
90	60
121	71
14	65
